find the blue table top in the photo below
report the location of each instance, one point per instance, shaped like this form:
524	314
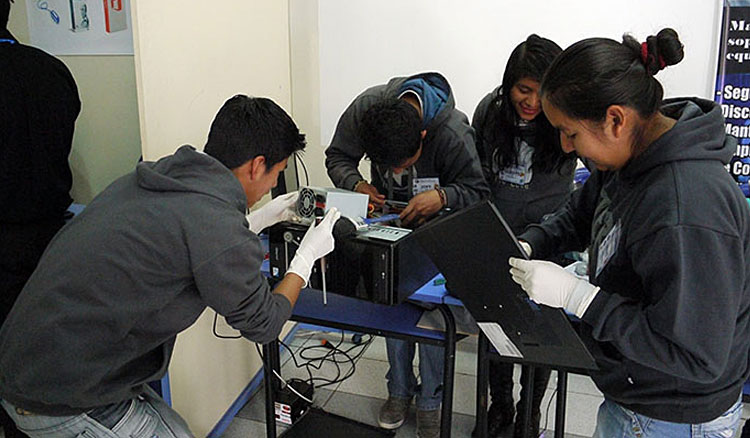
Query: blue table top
434	292
355	314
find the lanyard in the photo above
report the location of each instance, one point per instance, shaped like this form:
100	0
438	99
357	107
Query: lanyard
4	40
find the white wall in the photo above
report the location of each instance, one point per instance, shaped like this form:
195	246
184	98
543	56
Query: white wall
304	50
188	61
363	43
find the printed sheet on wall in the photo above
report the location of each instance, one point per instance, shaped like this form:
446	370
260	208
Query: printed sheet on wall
81	27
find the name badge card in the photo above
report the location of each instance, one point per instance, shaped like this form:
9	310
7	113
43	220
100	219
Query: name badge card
608	247
420	185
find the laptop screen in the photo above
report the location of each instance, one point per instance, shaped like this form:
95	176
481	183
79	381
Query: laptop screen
471	248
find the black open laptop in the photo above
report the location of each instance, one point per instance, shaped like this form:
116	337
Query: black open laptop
471	248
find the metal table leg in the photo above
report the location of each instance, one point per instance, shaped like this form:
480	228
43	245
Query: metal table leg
271	362
562	388
483	373
528	386
448	370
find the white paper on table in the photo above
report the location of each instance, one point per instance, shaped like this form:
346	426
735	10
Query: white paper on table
502	343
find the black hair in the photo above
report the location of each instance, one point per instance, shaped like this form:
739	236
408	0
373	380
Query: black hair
595	73
530	59
390	132
247	127
5	12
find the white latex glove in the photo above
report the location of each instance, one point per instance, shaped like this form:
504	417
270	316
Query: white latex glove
280	208
318	241
549	284
526	247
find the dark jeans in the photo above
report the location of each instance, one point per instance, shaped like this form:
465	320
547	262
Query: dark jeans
401	380
21	247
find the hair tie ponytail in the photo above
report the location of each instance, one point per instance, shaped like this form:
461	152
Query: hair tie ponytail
658	51
654	63
644	53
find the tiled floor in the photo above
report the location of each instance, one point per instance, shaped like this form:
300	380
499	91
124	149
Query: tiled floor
361	396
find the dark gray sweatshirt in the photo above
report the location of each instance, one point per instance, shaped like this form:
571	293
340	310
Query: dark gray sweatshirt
520	205
669	246
448	150
99	316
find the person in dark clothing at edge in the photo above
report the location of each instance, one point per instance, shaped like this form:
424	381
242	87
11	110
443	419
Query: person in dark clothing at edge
529	176
422	151
39	105
665	310
99	317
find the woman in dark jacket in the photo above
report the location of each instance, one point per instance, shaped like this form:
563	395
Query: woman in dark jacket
665	310
529	176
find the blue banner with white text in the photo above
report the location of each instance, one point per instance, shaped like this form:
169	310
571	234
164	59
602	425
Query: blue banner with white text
733	85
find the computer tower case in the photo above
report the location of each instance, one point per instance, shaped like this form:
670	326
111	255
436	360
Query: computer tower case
381	264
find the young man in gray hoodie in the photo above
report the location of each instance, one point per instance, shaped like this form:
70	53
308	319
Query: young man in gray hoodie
422	153
98	318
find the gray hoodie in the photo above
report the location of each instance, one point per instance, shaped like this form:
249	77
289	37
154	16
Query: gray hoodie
448	151
99	316
669	246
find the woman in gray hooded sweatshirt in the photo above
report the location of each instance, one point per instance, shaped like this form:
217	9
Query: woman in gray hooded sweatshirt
665	310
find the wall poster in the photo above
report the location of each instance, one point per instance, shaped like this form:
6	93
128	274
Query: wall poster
733	85
81	27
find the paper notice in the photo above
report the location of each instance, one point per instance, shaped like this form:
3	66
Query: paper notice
503	345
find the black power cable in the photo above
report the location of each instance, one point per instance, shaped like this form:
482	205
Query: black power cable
216	333
331	355
546	414
316	362
304	168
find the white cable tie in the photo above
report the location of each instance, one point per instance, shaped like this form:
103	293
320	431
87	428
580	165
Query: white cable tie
291	388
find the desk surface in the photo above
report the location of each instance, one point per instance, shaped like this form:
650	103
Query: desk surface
353	313
348	312
434	292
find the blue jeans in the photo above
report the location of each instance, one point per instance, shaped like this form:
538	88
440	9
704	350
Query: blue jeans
614	421
146	417
401	380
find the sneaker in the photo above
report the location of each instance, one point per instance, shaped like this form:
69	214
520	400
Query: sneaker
428	424
393	412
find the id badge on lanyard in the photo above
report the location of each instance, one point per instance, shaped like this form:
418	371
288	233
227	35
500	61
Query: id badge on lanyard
420	185
608	247
519	174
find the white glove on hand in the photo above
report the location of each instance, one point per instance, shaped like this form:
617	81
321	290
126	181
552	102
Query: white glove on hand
318	241
280	208
549	284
